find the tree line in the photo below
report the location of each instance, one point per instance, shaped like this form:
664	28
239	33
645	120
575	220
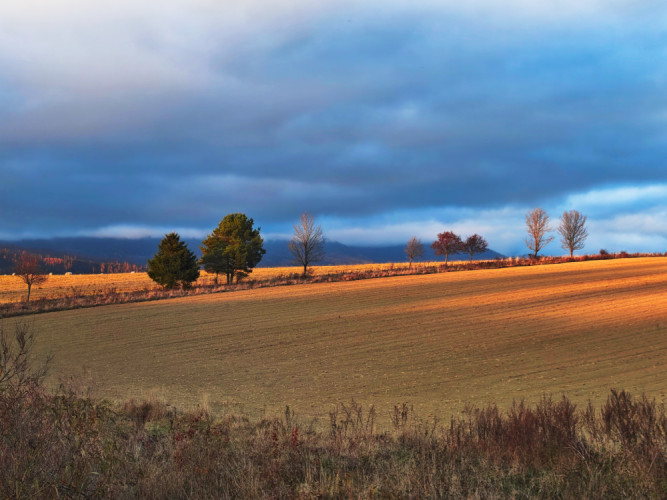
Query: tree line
63	263
232	250
235	247
571	228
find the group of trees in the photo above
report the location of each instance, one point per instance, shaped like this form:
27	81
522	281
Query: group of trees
448	243
233	249
572	230
451	243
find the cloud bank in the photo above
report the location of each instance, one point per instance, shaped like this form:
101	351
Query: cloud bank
384	120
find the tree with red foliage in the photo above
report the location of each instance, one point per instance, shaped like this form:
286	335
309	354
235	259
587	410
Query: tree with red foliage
446	244
27	268
475	244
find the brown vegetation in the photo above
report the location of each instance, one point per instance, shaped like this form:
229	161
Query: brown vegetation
70	445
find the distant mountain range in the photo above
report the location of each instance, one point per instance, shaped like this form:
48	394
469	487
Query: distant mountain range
138	251
277	254
59	262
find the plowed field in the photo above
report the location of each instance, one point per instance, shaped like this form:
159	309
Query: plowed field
433	341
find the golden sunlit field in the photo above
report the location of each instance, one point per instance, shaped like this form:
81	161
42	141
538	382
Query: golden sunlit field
434	341
12	289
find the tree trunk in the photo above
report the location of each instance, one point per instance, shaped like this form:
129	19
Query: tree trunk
27	299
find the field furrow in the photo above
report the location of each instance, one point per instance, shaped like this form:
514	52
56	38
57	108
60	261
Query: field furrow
434	341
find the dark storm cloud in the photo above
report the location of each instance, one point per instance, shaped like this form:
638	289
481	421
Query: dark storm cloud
346	113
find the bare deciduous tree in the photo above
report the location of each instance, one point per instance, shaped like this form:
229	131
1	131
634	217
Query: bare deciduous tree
307	244
572	231
27	268
475	244
414	249
16	355
537	224
446	244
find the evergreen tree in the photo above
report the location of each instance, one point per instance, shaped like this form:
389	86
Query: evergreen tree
233	248
174	264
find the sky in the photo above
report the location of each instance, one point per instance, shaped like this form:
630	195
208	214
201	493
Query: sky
383	119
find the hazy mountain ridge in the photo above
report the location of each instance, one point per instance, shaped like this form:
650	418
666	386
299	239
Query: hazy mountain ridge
58	262
94	251
277	254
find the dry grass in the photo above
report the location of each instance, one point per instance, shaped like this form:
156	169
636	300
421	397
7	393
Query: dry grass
67	444
12	289
436	341
272	272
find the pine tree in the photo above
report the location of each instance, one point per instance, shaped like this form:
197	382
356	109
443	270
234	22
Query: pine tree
233	248
174	264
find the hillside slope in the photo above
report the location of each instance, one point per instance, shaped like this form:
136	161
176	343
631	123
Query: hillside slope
434	341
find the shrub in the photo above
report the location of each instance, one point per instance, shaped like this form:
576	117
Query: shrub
64	445
68	445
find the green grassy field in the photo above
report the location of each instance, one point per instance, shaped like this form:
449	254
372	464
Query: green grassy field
434	341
